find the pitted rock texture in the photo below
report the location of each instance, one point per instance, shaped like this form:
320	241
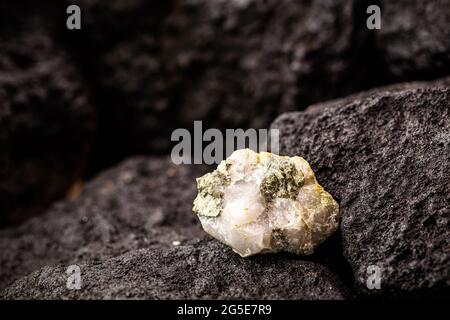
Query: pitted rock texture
442	83
160	65
200	269
386	159
144	202
414	37
46	120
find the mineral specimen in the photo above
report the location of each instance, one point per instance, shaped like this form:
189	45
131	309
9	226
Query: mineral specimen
262	202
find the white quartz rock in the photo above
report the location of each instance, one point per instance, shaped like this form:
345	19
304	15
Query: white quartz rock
262	202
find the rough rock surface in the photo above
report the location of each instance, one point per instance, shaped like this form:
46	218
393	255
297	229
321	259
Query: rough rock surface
143	202
414	37
162	64
201	269
386	159
46	121
442	83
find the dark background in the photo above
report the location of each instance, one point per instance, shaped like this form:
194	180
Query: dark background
74	103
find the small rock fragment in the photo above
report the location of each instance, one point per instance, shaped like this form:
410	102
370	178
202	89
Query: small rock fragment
262	202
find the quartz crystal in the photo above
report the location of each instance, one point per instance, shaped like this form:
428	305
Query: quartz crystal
262	202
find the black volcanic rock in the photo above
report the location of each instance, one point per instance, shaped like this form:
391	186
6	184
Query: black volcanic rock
443	83
200	269
414	37
159	65
144	202
386	159
46	121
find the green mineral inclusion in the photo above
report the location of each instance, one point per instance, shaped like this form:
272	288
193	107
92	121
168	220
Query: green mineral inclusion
209	201
283	180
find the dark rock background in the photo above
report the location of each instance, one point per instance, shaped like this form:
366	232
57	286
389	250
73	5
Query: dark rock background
414	38
47	121
160	65
86	118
